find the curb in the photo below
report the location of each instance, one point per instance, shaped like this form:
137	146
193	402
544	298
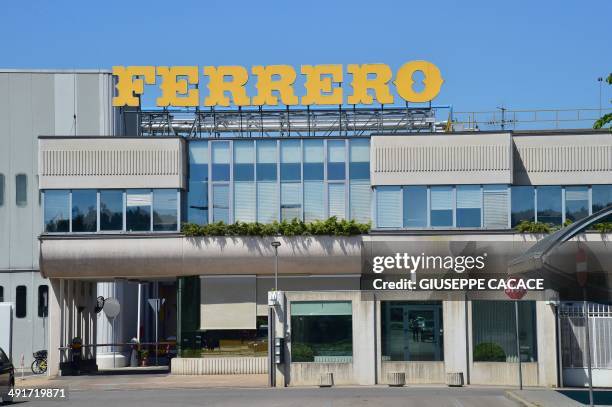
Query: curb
518	399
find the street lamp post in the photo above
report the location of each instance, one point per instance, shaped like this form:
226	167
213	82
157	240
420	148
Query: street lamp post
276	244
271	321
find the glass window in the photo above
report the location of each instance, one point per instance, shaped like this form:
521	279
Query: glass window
244	177
336	200
221	203
197	202
266	160
468	206
411	331
360	197
165	209
336	160
21	190
523	204
1	189
244	201
388	207
111	210
244	161
267	202
442	206
21	301
57	211
290	160
198	161
84	210
197	196
322	332
359	159
313	160
138	210
494	332
43	301
291	200
549	204
314	200
601	196
415	206
495	206
220	161
576	203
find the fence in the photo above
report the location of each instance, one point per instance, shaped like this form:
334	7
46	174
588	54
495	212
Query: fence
573	335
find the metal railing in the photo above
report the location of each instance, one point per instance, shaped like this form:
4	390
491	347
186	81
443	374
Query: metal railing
505	119
573	335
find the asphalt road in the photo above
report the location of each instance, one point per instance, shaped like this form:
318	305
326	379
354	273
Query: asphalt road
290	397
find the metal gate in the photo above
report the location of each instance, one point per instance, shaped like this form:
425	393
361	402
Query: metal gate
573	343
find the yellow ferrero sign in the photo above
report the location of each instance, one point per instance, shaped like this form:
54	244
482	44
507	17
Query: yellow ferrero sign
275	84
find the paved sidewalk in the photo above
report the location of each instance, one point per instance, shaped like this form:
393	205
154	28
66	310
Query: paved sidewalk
559	398
144	381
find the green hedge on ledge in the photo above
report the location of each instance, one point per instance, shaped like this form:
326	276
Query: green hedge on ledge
296	227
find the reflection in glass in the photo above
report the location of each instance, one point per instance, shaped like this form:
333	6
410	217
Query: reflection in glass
57	211
220	161
84	210
576	203
336	159
138	210
602	197
221	203
266	160
291	201
442	206
111	210
549	204
522	205
411	331
468	206
290	160
494	332
313	160
359	159
415	206
322	332
197	196
165	210
244	161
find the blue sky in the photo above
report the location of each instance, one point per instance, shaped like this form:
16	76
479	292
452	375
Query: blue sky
523	54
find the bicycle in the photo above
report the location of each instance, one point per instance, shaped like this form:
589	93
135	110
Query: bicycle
39	366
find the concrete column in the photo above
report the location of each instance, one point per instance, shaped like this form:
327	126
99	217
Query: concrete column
281	331
55	328
455	337
547	344
105	334
364	338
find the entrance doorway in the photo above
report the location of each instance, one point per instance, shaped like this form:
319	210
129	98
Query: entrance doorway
412	332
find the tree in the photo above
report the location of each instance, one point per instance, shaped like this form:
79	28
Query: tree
606	118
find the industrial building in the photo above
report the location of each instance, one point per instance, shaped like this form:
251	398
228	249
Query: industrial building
93	199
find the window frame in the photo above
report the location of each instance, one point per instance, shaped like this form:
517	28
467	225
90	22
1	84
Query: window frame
21	303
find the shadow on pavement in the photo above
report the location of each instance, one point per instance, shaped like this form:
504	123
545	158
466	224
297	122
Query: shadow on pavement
600	397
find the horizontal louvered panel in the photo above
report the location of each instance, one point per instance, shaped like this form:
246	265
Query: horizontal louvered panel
110	162
442	158
566	158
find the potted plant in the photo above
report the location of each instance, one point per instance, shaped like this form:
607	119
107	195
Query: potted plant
143	355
